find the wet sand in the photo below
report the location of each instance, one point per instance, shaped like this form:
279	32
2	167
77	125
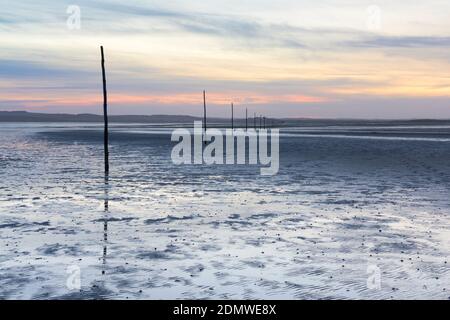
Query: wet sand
345	200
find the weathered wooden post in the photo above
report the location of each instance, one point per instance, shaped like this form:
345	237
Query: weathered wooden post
105	114
106	150
246	119
204	113
232	116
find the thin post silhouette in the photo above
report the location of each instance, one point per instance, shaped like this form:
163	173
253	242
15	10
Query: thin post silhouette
254	120
204	113
232	116
105	114
260	122
246	119
264	122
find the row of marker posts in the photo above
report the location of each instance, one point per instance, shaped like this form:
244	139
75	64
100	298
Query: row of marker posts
262	120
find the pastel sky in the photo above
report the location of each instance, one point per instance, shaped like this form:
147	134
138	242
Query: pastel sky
284	58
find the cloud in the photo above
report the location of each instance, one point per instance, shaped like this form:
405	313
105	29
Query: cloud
113	17
20	69
401	42
128	9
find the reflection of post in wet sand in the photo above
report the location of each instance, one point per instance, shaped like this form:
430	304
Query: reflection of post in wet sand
105	222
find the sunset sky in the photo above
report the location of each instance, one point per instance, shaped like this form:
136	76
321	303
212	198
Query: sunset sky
284	58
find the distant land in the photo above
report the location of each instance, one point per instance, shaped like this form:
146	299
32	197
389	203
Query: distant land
24	116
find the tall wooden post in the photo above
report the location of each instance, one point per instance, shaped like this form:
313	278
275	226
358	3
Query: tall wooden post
232	116
105	114
246	119
204	113
106	150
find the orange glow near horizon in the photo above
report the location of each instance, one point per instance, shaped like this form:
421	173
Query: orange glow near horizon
168	99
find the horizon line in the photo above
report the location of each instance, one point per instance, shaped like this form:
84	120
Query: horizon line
223	118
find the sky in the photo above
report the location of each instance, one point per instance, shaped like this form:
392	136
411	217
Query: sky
304	58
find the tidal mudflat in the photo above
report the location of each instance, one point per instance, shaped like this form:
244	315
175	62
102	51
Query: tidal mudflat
345	200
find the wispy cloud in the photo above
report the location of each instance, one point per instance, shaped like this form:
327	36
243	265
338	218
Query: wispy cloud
19	69
401	42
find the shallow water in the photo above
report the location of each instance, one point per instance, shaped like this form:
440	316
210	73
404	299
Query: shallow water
346	199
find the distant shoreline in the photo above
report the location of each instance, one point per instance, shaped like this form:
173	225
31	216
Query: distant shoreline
25	116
